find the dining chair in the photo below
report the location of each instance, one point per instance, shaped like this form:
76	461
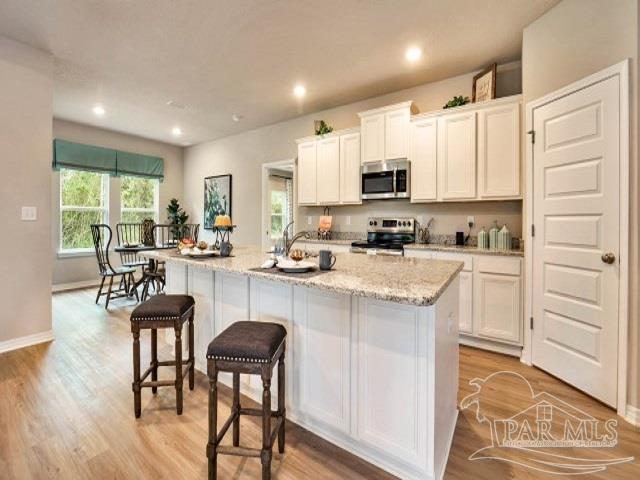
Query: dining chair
130	234
102	236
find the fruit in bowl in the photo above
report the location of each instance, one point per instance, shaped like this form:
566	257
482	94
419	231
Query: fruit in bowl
202	245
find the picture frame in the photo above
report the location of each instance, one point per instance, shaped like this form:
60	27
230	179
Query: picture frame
217	198
484	84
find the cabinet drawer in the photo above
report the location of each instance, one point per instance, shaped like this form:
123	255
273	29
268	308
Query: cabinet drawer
500	265
456	257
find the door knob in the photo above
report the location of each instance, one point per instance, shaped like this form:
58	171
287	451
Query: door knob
608	257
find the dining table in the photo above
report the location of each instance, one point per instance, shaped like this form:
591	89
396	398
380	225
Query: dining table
147	274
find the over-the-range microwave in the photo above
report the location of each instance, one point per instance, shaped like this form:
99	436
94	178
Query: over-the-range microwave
386	180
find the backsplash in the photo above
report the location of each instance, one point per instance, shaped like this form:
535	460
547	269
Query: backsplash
448	218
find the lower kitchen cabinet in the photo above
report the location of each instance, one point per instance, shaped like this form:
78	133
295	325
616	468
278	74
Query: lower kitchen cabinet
490	308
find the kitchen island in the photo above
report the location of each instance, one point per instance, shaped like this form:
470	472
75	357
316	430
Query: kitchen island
372	346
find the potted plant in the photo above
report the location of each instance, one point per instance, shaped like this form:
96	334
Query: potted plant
176	216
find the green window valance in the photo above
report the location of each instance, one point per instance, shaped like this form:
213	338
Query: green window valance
83	157
105	160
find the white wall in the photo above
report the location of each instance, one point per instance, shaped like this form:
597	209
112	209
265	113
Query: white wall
84	268
242	154
26	96
573	40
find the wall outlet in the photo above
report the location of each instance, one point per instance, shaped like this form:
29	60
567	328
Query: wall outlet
29	214
309	219
347	220
471	221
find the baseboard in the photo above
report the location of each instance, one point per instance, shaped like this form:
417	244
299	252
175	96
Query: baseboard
21	342
486	344
632	415
63	287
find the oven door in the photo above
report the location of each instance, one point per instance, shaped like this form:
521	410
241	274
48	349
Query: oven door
385	180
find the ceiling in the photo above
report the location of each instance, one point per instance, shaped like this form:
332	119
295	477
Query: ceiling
217	58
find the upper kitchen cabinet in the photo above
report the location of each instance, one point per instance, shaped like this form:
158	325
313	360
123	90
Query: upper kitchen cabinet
350	178
457	156
306	172
385	132
424	158
499	151
328	171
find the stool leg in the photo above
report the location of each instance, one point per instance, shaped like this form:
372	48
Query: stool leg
154	357
265	456
236	409
212	453
281	406
136	373
192	359
178	332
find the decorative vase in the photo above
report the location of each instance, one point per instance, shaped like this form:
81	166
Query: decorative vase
493	236
483	239
504	239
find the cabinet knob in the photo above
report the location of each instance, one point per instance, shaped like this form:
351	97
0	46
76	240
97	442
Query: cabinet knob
608	258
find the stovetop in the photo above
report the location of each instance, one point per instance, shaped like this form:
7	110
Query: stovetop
381	245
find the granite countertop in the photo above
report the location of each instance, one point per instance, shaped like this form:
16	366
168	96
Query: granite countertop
437	247
403	280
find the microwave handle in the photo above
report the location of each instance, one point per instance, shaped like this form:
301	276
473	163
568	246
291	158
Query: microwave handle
395	175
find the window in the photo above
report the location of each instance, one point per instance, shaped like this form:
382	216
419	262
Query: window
278	211
138	199
83	201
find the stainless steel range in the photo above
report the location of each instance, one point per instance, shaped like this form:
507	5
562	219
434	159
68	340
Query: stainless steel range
387	236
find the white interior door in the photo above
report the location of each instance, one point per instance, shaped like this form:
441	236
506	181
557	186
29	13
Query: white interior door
576	201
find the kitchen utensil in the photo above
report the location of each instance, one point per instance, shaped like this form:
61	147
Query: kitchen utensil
327	260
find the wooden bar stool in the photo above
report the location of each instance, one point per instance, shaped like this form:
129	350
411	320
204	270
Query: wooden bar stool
251	348
162	311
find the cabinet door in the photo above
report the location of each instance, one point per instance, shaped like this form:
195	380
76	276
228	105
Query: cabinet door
307	173
328	171
465	310
499	151
423	158
350	178
396	134
457	156
498	307
372	130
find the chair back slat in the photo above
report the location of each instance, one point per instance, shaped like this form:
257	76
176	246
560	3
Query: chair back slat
165	235
102	234
130	234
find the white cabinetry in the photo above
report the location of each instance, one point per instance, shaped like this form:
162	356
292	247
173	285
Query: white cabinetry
499	151
385	132
328	171
372	129
350	178
457	156
490	302
470	154
424	160
307	175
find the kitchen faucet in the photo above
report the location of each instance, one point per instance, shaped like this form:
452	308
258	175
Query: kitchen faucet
288	243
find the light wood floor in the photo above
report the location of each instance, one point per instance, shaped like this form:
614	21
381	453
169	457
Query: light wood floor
66	411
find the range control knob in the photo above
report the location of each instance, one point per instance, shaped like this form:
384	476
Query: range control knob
375	223
371	223
409	223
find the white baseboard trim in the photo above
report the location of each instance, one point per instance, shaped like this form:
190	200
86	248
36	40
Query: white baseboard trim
21	342
632	415
62	287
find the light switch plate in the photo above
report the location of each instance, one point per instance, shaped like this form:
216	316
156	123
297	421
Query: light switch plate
347	220
309	220
29	214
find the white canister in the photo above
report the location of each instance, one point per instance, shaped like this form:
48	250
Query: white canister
493	236
504	239
483	239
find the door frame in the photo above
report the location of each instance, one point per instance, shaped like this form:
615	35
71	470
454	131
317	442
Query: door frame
290	162
622	71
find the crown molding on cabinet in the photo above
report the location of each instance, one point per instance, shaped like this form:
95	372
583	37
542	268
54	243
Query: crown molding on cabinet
387	108
335	133
496	102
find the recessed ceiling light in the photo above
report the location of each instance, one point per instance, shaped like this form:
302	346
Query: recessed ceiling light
98	110
236	118
177	131
413	54
299	91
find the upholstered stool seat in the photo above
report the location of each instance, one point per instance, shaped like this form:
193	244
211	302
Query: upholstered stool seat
249	348
163	311
248	342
